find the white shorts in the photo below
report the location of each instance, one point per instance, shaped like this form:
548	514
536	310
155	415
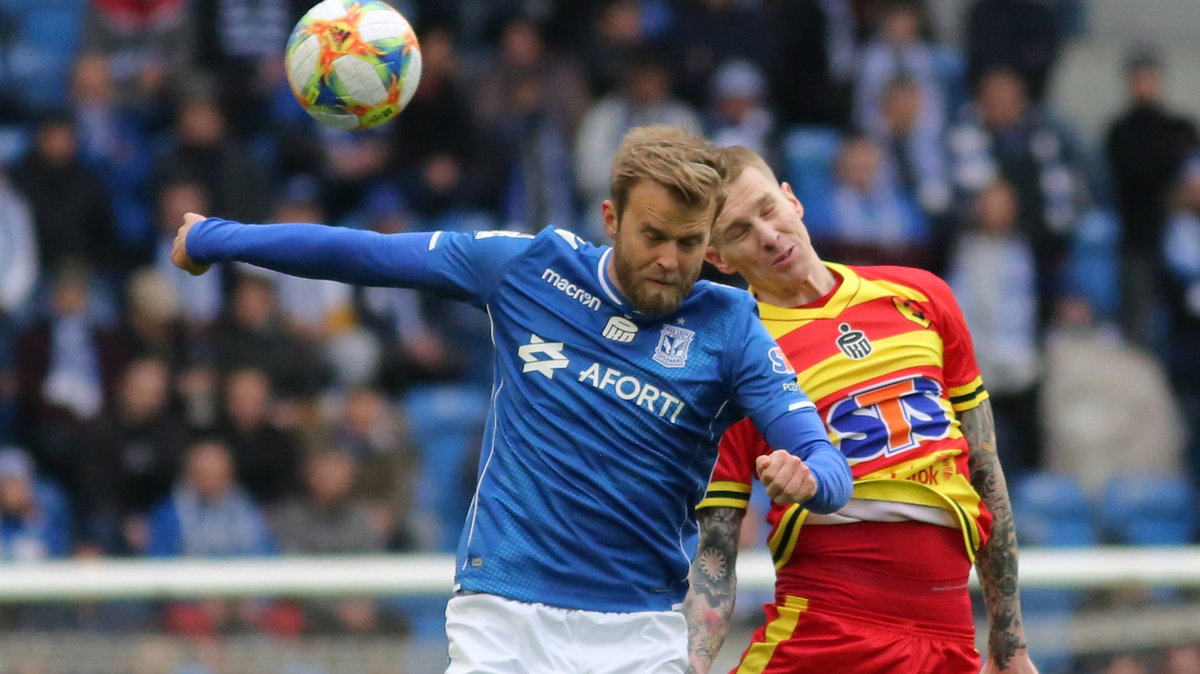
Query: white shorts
494	635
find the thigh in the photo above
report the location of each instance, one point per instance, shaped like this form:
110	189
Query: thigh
652	642
492	635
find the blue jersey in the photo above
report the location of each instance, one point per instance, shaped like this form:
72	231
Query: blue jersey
604	423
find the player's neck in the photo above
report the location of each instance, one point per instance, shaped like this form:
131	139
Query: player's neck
819	283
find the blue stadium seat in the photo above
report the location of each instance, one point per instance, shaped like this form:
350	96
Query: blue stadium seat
444	423
1150	509
1094	261
809	153
1052	510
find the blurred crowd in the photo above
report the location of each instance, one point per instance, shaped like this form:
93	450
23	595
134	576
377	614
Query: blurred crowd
147	412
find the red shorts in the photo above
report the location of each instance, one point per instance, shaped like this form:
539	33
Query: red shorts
867	598
796	639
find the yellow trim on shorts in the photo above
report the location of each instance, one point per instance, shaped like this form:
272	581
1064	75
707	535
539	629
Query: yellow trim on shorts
759	654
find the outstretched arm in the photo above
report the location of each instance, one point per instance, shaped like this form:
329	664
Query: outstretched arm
312	251
996	561
712	589
467	266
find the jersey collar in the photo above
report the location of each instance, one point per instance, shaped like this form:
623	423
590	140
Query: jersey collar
606	283
838	303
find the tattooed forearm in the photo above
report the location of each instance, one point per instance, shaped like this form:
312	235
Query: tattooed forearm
996	561
712	585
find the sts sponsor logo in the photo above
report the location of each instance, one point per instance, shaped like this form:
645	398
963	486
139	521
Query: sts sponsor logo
889	418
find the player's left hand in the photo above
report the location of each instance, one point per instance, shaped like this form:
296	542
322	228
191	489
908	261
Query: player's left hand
787	479
179	254
1019	663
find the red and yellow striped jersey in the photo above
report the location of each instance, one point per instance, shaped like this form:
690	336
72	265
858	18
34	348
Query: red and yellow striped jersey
888	361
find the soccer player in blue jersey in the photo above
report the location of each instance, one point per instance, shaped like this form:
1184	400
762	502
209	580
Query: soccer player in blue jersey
615	374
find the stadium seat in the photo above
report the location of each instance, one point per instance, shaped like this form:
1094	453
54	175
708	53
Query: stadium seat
1093	261
809	153
444	424
1052	510
1149	509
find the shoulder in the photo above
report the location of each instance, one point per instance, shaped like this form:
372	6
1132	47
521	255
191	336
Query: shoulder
718	297
918	282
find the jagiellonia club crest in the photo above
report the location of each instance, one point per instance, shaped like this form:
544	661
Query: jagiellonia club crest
673	343
853	343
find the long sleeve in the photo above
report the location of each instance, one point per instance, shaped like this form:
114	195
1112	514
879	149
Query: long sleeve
802	433
316	251
465	266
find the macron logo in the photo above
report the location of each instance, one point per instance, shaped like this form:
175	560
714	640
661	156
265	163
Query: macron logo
537	347
571	290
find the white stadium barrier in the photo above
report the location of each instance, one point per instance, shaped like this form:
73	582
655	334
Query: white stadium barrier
431	575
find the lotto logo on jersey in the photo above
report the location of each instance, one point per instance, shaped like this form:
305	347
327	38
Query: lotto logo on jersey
889	418
542	356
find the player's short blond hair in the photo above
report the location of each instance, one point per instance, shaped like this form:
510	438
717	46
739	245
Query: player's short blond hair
737	159
685	164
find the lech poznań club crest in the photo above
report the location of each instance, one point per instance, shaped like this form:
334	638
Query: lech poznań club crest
673	343
853	343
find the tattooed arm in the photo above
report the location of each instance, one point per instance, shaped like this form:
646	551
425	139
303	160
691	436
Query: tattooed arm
996	562
712	585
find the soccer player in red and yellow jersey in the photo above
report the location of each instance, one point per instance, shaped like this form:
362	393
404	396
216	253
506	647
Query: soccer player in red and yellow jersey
881	585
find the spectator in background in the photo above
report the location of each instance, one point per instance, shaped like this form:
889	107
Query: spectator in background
150	325
330	519
71	207
1146	146
1181	249
812	59
18	276
252	334
200	297
370	430
240	42
916	159
438	119
60	375
114	141
1004	136
19	266
645	98
897	50
208	514
1099	399
738	112
1020	35
993	275
410	349
147	42
529	104
202	150
266	457
30	531
712	32
128	459
873	222
614	43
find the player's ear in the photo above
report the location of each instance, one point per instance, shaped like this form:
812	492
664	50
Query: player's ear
714	258
609	211
791	197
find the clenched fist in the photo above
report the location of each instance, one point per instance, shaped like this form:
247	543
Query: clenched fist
786	477
179	254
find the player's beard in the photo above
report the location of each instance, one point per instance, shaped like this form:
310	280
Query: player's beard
648	297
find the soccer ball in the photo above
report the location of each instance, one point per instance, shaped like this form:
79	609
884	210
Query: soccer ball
353	64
